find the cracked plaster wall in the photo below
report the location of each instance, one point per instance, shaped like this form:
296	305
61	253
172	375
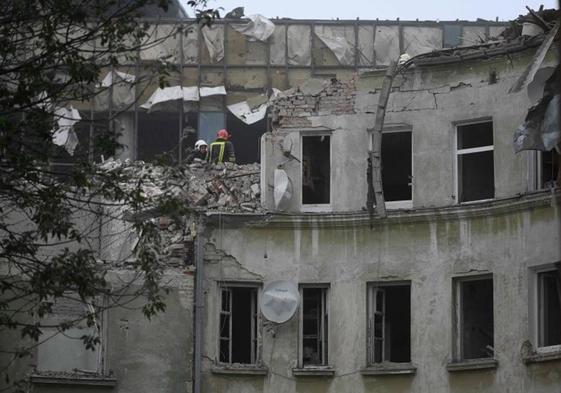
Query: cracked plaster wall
429	253
429	100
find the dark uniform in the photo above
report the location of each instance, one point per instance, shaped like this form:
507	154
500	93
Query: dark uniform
221	150
195	153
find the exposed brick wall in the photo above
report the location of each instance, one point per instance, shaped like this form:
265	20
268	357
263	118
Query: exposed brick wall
294	110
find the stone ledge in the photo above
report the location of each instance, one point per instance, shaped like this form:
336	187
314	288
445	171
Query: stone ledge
97	381
314	371
239	370
541	357
475	364
389	369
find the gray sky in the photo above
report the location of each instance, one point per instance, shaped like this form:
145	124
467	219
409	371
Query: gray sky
403	9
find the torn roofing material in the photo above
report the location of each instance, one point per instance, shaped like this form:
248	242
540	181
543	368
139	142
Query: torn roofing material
258	28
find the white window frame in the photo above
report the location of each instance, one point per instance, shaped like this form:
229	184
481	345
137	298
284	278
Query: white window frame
374	288
324	319
255	321
318	207
535	310
406	203
457	337
457	152
539	171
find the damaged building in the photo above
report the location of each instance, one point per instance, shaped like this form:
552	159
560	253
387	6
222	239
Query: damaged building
452	285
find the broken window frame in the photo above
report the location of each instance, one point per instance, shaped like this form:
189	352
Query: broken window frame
323	325
256	323
373	289
405	203
536	309
473	150
458	317
319	207
101	367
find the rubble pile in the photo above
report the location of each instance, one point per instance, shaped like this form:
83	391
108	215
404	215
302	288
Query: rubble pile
316	97
222	187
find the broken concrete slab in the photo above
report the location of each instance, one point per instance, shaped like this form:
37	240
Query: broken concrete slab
313	86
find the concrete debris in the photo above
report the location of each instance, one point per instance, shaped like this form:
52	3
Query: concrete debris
224	187
313	86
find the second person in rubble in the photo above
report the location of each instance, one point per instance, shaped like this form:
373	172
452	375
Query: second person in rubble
221	150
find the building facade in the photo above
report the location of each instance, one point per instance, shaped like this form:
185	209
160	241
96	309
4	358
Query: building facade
456	290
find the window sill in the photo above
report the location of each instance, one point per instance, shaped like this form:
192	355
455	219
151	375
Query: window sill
397	205
475	364
319	208
239	369
62	378
543	356
389	368
314	371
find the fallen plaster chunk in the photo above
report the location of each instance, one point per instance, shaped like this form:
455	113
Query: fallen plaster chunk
258	28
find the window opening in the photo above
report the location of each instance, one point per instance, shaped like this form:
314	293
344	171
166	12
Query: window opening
314	318
246	138
209	124
474	313
316	168
549	306
238	325
158	136
475	165
389	323
396	169
549	169
452	35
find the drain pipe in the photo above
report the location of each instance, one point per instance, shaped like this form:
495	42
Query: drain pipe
199	302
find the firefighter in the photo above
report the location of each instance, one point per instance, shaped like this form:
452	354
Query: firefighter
200	152
221	150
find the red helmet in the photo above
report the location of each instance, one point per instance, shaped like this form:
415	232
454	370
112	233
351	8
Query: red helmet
223	134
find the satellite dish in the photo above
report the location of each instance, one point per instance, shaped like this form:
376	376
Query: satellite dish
279	301
282	192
